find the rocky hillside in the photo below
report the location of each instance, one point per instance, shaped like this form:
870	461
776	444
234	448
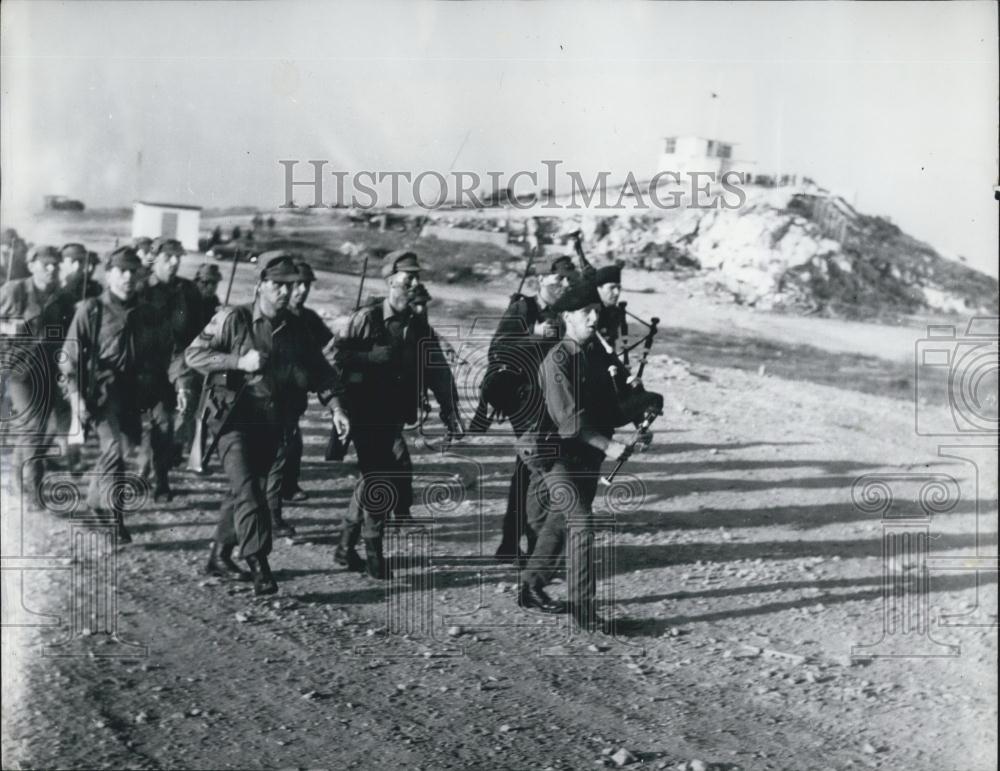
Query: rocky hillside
802	251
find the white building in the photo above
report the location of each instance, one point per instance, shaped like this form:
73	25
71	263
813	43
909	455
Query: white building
170	220
685	154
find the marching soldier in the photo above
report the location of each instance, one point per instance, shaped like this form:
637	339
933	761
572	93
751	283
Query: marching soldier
258	361
573	437
77	272
383	354
528	329
143	246
36	312
177	305
207	280
321	336
608	280
113	357
189	381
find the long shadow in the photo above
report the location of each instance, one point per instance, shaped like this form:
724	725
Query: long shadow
845	371
631	627
629	557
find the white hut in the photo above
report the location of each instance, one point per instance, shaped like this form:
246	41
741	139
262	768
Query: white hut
170	220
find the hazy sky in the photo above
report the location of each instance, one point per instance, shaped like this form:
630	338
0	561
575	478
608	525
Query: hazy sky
894	104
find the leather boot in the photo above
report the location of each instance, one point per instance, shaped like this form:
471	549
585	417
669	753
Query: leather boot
375	561
263	581
220	564
346	554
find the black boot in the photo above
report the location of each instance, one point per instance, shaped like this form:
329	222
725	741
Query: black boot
220	564
346	554
263	581
375	561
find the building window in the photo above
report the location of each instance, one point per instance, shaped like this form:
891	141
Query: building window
670	145
710	148
724	151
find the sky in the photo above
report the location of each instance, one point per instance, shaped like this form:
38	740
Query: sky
894	105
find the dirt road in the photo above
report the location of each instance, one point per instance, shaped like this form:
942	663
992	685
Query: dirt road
741	572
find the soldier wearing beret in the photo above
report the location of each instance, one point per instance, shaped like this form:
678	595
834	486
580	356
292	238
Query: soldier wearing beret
259	362
113	358
34	317
321	335
207	280
385	353
528	329
178	307
77	272
609	288
566	450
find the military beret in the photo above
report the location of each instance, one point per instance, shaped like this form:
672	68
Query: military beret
160	245
576	297
142	242
44	252
125	258
399	261
609	274
93	259
74	251
279	266
419	295
562	266
305	271
208	272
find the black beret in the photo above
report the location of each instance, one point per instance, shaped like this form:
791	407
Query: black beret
279	266
125	258
43	252
74	251
208	272
562	266
609	274
576	297
419	294
160	245
305	271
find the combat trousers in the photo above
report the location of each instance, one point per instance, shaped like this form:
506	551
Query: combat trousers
35	416
252	457
157	453
564	512
386	484
515	518
118	431
190	385
293	460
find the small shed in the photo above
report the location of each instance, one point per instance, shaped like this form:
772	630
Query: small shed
169	220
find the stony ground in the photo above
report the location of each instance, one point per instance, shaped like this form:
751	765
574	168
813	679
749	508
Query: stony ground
739	568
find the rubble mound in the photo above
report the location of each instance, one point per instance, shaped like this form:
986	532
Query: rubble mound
776	255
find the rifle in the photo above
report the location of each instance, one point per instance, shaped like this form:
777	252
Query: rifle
232	275
361	284
652	413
